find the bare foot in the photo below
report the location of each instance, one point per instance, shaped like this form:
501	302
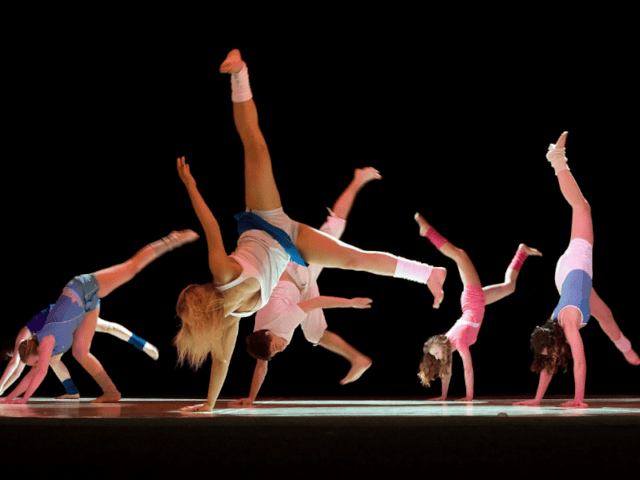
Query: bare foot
151	350
424	226
358	367
435	283
632	357
75	396
178	239
233	63
108	398
530	251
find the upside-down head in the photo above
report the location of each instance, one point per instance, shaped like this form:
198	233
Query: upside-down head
259	345
28	351
550	348
200	310
436	360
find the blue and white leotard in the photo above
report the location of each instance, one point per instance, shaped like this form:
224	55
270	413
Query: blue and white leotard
574	274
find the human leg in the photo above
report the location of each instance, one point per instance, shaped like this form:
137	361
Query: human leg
62	372
468	273
321	249
493	293
602	313
581	223
128	336
80	349
113	277
359	362
261	192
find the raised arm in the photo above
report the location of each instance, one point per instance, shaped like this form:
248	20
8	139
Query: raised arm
223	269
361	176
15	366
34	378
219	370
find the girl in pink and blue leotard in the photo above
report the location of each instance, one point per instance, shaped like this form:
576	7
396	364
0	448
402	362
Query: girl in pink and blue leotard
558	340
438	350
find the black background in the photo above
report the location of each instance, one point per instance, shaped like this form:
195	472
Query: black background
455	108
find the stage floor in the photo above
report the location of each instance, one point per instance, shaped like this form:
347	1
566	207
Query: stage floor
309	408
315	438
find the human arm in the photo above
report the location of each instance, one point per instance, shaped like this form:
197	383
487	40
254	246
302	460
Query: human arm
15	366
543	383
223	269
570	319
468	373
259	375
333	302
361	176
36	375
219	369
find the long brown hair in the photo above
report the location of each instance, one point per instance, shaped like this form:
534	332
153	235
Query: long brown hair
550	336
27	348
432	368
203	326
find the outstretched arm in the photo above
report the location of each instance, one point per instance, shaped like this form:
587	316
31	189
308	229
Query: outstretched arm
222	268
15	366
334	302
36	375
361	176
219	370
259	374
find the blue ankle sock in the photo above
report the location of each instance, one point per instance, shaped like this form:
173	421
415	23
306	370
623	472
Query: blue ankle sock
70	387
137	342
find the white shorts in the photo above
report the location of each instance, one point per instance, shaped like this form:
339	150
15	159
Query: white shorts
578	256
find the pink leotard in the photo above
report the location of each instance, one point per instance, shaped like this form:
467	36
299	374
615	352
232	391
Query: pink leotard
464	332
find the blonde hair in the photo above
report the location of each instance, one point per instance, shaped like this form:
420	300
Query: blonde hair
432	368
203	326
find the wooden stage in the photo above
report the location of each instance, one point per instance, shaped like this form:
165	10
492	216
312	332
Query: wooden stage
322	438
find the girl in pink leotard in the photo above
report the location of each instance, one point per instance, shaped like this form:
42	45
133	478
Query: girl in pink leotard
438	350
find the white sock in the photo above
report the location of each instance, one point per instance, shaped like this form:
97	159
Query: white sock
557	158
240	88
623	344
411	270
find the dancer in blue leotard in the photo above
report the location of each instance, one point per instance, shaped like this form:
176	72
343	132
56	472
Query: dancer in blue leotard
555	342
71	322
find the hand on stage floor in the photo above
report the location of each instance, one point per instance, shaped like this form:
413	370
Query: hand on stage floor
203	407
441	398
15	401
241	402
528	403
575	404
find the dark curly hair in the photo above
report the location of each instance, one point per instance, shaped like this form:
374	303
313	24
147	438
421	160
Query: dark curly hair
259	345
432	368
550	336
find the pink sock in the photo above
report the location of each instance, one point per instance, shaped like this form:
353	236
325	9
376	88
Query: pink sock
435	238
518	260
